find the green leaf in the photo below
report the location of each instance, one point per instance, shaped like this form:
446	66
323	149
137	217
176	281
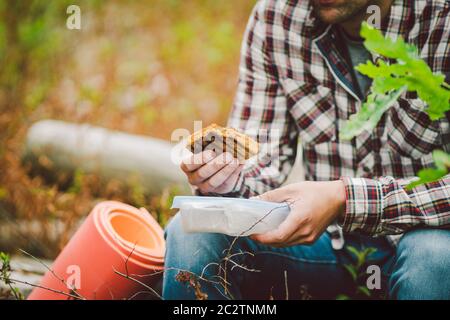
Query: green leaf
354	251
390	80
3	193
427	176
441	159
342	297
394	49
364	291
364	255
369	115
4	258
442	163
351	269
369	251
361	255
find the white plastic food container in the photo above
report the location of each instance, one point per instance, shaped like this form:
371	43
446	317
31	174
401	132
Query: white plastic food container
231	216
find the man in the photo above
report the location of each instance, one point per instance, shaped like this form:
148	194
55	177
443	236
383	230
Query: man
297	78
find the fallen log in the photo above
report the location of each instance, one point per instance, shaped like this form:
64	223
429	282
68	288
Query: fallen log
111	154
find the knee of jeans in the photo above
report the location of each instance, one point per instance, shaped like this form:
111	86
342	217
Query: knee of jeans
428	246
177	238
193	246
422	261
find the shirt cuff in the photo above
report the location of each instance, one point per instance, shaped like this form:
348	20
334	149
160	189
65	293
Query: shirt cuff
363	206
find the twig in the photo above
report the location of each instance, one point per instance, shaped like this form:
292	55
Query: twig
237	265
128	258
201	277
74	290
127	275
138	293
286	285
241	253
210	264
46	288
139	282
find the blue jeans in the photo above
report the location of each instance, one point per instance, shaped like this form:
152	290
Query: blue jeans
416	269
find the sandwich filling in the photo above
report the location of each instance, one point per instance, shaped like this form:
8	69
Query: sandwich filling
220	140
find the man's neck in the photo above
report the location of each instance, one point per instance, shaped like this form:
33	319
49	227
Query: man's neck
353	25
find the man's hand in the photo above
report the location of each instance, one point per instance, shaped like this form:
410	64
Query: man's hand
212	173
314	206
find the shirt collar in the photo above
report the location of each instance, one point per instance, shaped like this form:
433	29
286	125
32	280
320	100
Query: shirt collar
397	23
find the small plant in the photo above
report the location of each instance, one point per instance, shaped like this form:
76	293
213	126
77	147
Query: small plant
390	80
5	274
357	271
442	163
77	183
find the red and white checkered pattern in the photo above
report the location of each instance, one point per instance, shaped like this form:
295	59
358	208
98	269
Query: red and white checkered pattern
295	81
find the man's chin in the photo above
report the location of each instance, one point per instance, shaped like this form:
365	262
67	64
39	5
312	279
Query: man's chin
329	15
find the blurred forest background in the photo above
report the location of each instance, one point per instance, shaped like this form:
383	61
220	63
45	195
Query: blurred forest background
144	67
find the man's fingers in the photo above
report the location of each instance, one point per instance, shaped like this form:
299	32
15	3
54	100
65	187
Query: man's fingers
281	235
195	161
235	176
230	181
221	176
276	195
211	168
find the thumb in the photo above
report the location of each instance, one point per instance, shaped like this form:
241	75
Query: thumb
276	195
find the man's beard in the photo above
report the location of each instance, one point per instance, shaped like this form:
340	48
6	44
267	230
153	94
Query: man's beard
340	13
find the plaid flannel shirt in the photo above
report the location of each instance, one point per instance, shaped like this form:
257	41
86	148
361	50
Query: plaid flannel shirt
294	80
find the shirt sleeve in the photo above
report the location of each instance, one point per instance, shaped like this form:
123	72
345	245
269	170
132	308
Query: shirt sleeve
260	110
384	206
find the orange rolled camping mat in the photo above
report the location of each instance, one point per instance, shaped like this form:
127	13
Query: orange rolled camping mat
115	238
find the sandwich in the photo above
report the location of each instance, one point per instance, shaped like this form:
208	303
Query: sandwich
220	139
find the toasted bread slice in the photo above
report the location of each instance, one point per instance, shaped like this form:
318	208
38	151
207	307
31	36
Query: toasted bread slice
221	140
